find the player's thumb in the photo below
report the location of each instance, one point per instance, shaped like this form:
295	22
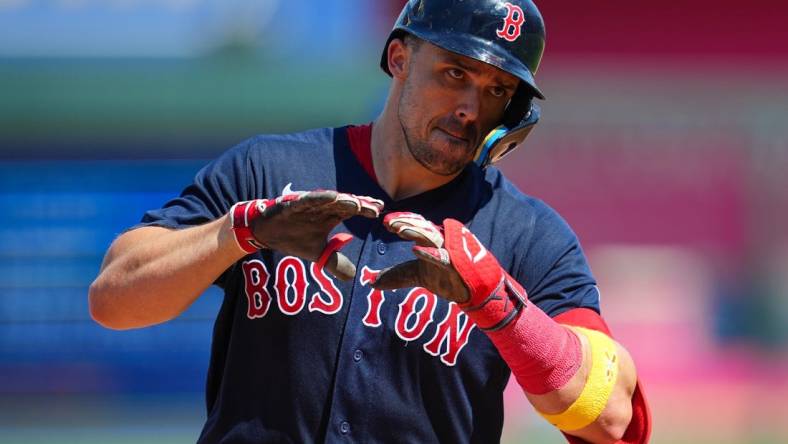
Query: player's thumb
340	266
404	275
335	262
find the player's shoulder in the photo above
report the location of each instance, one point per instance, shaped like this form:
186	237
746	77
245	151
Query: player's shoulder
302	149
511	198
306	138
313	139
302	142
529	220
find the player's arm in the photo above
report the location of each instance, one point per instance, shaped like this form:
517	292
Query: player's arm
596	403
639	426
581	380
152	274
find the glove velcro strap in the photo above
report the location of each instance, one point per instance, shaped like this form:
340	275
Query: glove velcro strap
542	354
241	216
500	307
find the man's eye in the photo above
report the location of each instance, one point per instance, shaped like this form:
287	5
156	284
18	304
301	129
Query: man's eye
497	91
456	73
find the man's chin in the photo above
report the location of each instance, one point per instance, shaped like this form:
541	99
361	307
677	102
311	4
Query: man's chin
444	165
444	156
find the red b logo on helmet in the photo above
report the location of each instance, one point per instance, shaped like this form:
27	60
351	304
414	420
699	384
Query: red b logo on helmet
513	23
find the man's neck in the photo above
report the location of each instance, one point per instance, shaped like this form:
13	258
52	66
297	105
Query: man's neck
398	172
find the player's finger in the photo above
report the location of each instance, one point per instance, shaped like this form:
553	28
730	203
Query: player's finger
303	201
348	205
319	205
363	205
336	263
340	266
404	275
370	207
437	256
414	227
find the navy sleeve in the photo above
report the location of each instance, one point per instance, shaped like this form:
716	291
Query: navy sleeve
215	189
554	268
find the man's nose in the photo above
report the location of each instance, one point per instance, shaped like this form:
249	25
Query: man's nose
467	110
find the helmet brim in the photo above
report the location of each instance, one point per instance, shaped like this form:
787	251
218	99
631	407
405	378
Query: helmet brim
473	47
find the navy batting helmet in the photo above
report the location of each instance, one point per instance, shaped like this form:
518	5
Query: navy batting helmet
509	35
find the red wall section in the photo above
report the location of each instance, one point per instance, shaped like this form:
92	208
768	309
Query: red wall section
721	27
645	194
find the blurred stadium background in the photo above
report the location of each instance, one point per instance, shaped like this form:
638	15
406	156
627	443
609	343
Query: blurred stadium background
663	143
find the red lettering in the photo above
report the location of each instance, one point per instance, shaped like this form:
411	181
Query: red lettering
286	281
450	332
423	315
327	286
255	281
375	298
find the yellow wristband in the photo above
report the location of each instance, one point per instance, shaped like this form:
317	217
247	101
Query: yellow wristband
599	385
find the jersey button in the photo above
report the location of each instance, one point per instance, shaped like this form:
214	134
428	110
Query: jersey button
382	248
357	355
344	427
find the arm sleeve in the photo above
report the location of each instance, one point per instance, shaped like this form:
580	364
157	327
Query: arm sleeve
553	268
215	189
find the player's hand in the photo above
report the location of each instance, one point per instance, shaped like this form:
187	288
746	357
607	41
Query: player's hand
298	224
432	269
452	263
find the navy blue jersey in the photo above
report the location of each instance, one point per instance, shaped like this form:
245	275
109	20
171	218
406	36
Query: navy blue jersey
298	356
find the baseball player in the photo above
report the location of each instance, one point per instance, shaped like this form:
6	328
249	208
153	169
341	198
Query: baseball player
382	282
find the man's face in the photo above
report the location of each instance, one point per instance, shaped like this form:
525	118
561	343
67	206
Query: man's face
448	104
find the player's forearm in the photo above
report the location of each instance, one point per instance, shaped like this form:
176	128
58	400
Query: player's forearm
579	379
611	424
151	274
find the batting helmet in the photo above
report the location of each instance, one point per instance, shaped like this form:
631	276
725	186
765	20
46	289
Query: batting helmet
509	35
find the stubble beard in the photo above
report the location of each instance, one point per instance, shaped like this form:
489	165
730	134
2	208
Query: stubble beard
430	157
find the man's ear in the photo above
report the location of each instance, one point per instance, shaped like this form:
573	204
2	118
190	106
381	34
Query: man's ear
398	57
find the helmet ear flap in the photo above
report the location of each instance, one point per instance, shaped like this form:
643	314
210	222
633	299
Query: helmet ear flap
519	106
504	139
